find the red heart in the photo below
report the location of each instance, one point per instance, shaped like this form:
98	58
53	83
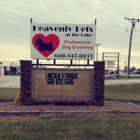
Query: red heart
45	45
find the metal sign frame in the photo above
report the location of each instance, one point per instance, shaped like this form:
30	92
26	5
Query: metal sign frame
108	56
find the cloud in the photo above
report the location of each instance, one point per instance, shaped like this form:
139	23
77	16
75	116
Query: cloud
15	23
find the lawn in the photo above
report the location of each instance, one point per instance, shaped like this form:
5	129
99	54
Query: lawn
130	92
97	127
114	127
8	94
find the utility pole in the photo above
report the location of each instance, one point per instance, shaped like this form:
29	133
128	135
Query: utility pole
133	21
97	51
1	68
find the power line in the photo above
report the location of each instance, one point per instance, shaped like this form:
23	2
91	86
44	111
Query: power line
120	40
133	21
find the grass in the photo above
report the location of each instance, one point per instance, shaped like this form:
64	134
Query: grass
8	94
115	127
129	92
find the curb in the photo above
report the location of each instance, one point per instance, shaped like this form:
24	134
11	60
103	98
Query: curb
135	105
15	113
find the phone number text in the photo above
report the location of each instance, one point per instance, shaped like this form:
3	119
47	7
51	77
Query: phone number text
73	55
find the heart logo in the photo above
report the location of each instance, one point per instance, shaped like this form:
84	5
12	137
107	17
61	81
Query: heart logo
45	45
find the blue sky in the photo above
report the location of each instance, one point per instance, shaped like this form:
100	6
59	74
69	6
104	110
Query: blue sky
111	26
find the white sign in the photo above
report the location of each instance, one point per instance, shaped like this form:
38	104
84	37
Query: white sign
61	41
110	64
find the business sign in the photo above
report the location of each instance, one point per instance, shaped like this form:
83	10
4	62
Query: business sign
110	64
63	41
62	84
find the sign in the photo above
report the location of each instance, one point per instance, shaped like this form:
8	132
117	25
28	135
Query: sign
110	64
63	41
62	84
61	78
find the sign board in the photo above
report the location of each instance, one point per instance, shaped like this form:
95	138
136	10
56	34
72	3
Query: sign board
63	41
110	63
64	84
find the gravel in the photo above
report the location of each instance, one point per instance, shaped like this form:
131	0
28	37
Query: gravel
108	106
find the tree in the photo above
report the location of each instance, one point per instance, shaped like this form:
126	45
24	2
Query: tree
125	69
132	69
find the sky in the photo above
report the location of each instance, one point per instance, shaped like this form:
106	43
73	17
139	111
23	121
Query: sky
112	29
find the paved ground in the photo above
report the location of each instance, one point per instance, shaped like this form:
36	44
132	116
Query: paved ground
9	81
14	81
122	81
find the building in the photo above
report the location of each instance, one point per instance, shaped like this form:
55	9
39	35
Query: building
9	68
